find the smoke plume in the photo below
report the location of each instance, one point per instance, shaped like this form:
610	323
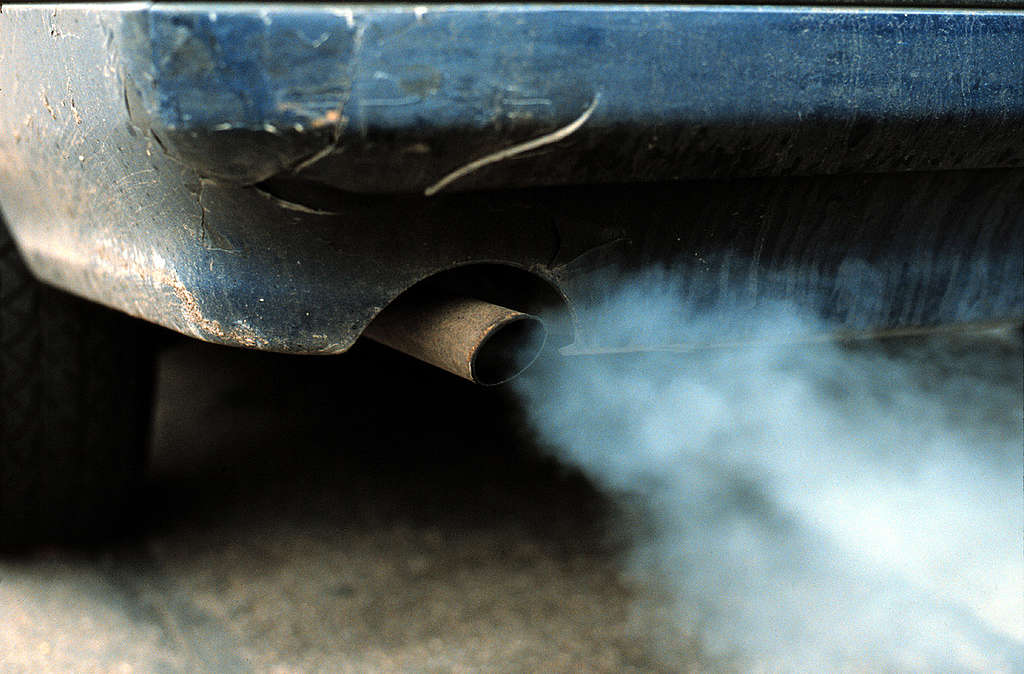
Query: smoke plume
824	505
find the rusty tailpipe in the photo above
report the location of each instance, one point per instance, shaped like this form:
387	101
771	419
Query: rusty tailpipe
477	340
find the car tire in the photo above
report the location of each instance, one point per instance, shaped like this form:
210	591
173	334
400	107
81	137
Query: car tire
76	385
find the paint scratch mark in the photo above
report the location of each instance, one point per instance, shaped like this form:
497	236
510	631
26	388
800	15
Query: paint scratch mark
508	152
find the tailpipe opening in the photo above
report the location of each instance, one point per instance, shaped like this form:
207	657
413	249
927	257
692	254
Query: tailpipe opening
486	343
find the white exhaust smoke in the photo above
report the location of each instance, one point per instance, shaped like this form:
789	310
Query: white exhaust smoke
804	507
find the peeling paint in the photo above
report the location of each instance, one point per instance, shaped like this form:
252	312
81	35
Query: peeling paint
337	121
204	327
290	205
75	113
209	237
49	108
347	14
120	261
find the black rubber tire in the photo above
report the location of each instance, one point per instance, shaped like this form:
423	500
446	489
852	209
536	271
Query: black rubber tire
76	384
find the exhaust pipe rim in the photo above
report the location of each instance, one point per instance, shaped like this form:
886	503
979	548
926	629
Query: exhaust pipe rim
495	363
480	341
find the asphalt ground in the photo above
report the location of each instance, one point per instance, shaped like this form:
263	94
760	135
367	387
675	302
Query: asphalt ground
356	513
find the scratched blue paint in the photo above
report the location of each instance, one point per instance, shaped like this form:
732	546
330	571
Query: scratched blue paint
80	177
474	66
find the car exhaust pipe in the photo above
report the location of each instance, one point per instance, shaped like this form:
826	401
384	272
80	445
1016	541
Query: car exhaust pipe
483	342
